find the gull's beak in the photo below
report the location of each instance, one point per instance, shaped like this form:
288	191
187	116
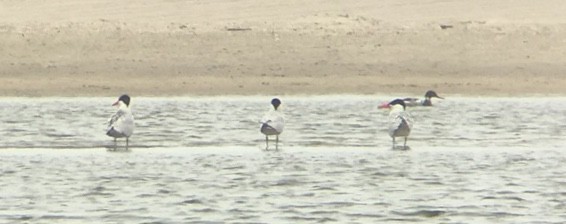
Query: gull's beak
384	106
116	103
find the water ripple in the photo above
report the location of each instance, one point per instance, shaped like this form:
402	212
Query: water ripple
201	161
324	122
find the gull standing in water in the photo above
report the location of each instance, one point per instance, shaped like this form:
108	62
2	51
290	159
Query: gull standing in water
400	122
121	124
272	123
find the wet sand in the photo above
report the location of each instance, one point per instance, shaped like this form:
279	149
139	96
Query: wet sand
178	48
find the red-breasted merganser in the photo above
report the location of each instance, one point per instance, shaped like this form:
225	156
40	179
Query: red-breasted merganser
411	102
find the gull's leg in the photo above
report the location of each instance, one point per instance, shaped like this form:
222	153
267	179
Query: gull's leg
115	144
393	147
266	142
127	143
405	143
277	142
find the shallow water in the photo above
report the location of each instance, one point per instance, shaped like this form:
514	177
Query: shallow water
494	160
339	121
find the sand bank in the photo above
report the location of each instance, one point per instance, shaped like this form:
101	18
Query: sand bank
159	47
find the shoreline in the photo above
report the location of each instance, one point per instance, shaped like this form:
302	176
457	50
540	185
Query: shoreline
57	86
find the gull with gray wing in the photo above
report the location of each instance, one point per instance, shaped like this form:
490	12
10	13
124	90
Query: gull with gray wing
272	123
400	122
121	124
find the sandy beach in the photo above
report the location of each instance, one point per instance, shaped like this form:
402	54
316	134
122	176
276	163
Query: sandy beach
281	47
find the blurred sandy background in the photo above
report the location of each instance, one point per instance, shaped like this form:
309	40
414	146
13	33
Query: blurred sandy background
214	47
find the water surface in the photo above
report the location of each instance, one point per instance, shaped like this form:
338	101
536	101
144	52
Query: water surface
194	160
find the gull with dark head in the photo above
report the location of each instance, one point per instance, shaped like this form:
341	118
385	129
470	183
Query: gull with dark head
121	124
399	121
272	123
